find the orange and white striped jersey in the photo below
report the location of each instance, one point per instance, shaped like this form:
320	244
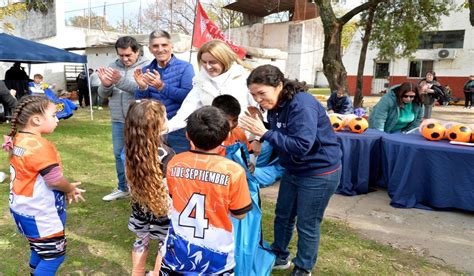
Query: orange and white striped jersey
38	210
205	189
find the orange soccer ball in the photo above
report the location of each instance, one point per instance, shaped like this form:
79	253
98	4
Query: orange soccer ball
459	133
433	131
336	122
358	125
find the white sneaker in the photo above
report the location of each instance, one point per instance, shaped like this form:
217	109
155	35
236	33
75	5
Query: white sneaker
116	194
100	108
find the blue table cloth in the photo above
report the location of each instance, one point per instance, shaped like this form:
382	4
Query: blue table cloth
428	174
361	159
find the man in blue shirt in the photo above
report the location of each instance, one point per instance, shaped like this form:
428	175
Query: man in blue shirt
167	79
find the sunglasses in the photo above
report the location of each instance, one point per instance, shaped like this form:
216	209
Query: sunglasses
409	96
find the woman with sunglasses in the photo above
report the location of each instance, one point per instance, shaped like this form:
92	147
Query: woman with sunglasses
400	110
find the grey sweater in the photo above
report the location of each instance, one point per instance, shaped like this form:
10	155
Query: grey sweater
123	93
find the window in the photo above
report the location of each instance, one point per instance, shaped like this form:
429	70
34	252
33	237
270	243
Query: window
418	68
381	70
442	39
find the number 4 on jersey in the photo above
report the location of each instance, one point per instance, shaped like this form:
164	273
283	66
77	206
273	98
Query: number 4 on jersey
194	215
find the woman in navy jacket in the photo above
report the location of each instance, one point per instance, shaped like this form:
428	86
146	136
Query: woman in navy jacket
309	152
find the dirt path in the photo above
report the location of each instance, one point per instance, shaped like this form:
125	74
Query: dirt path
445	237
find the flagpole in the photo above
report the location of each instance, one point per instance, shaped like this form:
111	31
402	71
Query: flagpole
194	28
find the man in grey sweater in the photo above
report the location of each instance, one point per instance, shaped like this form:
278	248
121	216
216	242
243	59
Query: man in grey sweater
119	86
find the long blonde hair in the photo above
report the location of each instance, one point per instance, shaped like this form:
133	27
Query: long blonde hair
223	53
143	127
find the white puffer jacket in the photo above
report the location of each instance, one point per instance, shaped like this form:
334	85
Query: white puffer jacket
206	88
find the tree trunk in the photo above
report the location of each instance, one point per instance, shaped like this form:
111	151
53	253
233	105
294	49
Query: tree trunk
358	98
471	12
333	68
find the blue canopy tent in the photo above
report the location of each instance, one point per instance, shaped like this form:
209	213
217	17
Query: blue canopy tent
16	49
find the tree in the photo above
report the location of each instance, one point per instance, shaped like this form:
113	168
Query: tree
19	9
96	22
224	18
178	15
170	15
471	11
333	67
396	28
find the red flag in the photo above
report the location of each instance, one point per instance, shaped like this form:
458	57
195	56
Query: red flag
205	30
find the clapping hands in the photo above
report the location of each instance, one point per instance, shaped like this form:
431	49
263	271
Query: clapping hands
108	76
148	78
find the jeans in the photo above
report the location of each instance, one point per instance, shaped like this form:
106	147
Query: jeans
178	141
305	198
118	141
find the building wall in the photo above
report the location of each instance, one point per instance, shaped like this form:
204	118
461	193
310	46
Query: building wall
452	72
302	40
35	25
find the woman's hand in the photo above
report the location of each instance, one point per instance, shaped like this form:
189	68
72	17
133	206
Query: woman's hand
138	76
252	124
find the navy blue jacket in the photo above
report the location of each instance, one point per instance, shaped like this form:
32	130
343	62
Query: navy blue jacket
177	76
303	135
340	105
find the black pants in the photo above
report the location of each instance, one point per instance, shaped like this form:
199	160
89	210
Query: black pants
84	95
467	99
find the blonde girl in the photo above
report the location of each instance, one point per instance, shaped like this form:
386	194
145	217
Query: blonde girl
38	187
145	164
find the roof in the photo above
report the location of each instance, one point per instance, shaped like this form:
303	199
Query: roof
14	48
261	8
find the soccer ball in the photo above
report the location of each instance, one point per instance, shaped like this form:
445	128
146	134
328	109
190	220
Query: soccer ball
336	122
426	122
433	131
358	125
459	133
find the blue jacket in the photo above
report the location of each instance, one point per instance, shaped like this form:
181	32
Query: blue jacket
177	76
340	105
386	112
301	132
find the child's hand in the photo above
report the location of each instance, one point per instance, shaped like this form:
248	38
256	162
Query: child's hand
256	147
251	167
75	194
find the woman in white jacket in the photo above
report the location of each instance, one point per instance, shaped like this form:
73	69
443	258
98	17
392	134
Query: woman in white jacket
222	72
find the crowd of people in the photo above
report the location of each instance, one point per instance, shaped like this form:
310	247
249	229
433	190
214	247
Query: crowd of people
171	130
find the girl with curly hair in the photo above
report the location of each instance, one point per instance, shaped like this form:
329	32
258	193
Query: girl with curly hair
146	157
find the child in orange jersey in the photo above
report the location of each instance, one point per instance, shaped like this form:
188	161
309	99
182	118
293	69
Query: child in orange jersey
146	157
206	190
231	108
38	187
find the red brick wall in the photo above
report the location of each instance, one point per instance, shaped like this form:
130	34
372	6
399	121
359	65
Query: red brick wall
456	84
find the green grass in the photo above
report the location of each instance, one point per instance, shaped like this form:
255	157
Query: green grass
320	91
99	241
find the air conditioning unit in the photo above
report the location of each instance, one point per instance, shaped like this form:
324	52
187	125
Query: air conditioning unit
446	54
